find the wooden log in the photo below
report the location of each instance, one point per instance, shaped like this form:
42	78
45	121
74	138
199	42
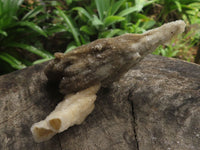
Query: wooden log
154	106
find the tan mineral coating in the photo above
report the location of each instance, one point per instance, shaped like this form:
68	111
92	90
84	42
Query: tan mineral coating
72	110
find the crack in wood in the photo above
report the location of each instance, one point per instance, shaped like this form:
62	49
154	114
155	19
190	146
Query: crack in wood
134	119
60	144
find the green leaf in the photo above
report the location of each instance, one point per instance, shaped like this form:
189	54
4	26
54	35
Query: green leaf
146	3
55	3
8	11
163	52
83	40
174	53
68	2
112	19
31	49
99	5
83	11
148	24
69	23
55	29
15	63
33	12
102	7
127	11
116	7
141	16
4	33
19	2
88	30
140	4
41	60
96	22
32	26
70	47
110	33
1	7
178	6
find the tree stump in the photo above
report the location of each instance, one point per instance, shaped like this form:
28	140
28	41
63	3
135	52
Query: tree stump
154	106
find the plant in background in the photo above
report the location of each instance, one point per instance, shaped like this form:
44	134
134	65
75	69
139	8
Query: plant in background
19	34
103	19
182	47
28	32
167	10
108	18
189	11
167	51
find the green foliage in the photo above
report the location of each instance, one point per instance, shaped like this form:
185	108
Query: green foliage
34	29
189	11
18	32
180	47
178	9
103	19
167	51
11	60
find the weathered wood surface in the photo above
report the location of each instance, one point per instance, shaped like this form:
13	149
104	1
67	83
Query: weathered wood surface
154	106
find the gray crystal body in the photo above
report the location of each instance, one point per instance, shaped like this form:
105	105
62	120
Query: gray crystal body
105	60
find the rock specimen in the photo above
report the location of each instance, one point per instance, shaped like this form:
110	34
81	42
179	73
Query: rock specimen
100	62
104	60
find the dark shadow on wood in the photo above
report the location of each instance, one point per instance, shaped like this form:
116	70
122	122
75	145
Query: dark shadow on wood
197	58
